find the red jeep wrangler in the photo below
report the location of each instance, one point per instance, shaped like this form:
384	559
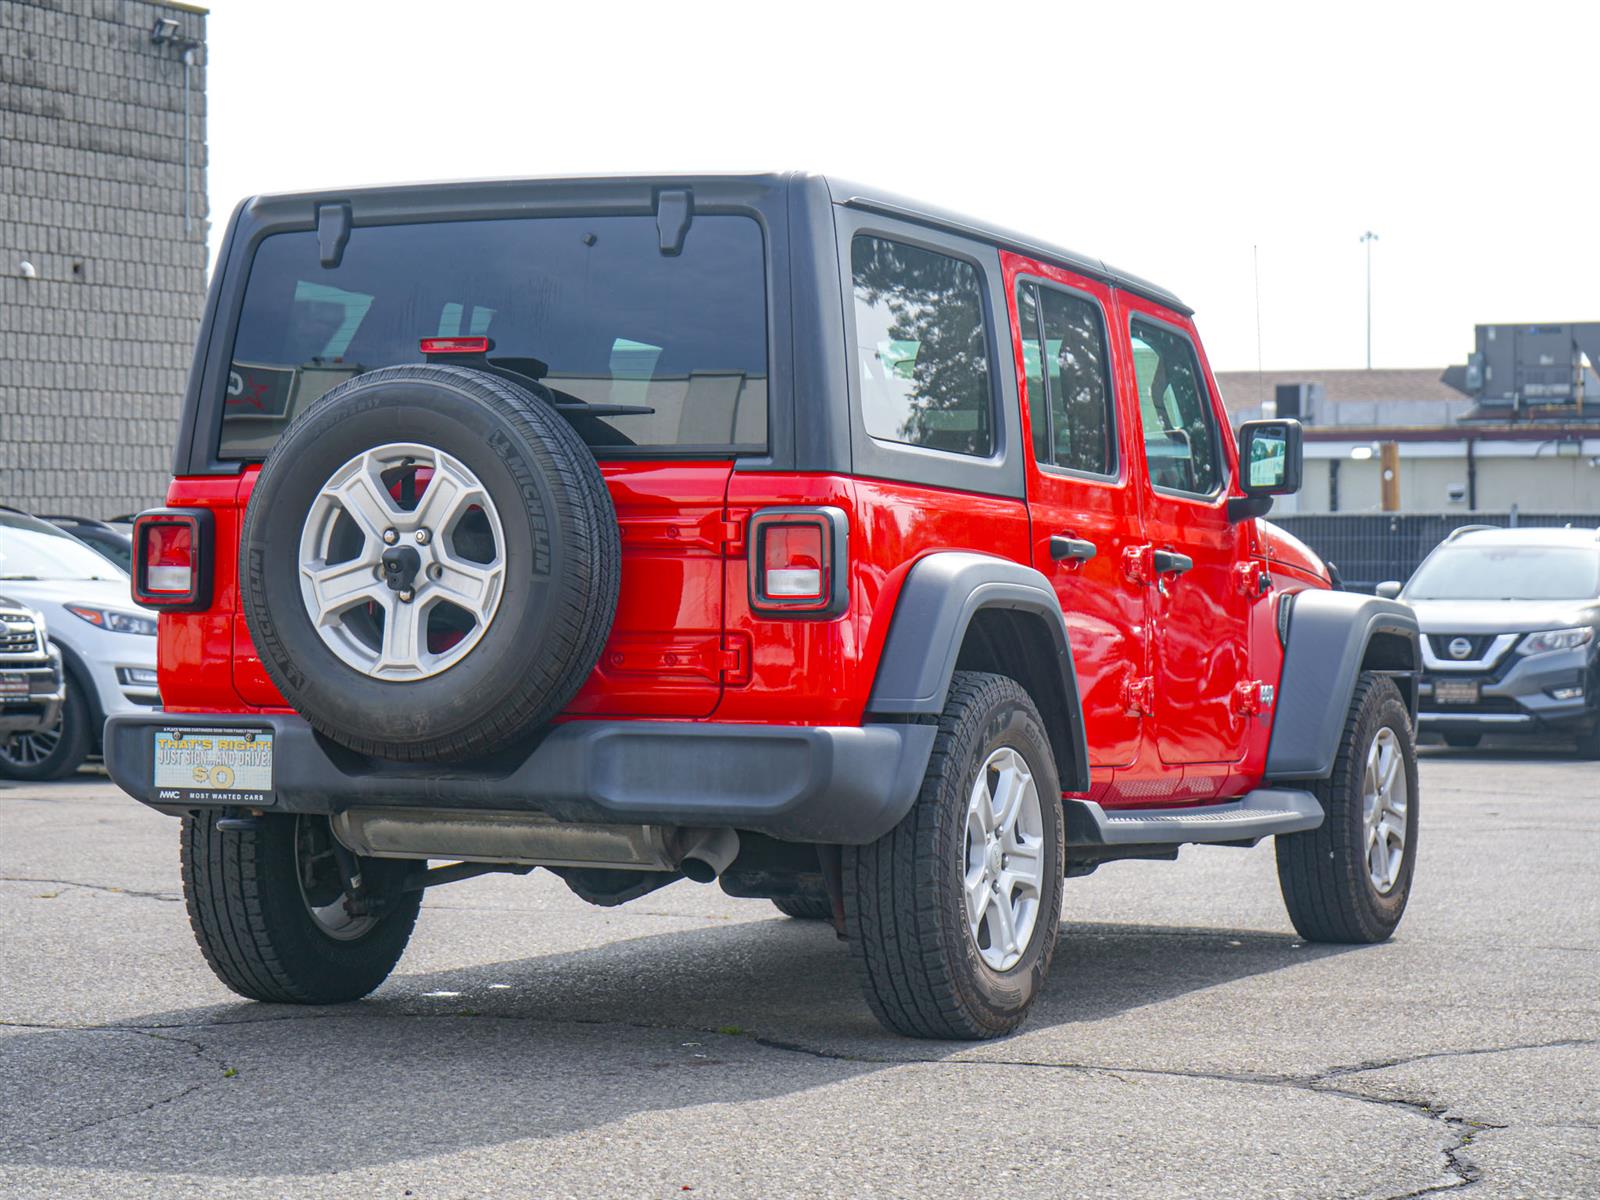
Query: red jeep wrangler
760	529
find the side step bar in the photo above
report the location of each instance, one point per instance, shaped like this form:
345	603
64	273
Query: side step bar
1255	815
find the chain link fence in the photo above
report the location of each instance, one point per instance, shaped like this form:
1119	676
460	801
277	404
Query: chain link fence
1369	548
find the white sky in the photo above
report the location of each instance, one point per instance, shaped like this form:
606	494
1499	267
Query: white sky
1166	139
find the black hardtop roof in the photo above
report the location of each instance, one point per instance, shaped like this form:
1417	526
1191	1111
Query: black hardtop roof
485	192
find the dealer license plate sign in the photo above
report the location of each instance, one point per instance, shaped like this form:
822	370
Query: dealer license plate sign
13	687
1456	691
214	766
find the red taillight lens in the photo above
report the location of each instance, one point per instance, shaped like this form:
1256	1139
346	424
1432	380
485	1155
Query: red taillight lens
798	562
457	345
791	562
171	558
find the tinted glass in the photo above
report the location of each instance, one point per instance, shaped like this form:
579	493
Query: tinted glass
1508	573
1180	427
1067	369
922	348
589	305
1033	370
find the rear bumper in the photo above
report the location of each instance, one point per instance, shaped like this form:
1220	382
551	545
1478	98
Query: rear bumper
843	785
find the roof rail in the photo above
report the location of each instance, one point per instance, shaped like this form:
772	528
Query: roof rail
1455	533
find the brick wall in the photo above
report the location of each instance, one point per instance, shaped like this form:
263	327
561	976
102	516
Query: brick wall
94	350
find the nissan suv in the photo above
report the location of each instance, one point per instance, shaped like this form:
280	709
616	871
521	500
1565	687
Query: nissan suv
1510	620
765	530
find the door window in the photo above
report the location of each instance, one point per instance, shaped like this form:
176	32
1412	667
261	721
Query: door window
921	348
1181	444
1069	381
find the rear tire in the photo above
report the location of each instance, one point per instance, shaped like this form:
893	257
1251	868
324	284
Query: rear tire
1327	874
805	907
258	924
909	898
53	753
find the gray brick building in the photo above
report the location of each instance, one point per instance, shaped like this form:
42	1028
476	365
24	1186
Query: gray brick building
102	246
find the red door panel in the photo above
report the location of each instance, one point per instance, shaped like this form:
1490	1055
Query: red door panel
1199	614
1104	607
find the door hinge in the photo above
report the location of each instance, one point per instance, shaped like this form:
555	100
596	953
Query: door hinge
1252	697
1139	695
1138	563
1252	579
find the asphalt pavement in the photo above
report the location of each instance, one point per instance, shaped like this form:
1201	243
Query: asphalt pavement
1188	1043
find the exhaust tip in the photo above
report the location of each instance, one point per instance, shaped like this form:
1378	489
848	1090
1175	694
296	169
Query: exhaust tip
710	853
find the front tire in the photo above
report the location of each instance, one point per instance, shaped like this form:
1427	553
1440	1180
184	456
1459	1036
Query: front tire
266	906
1348	880
52	753
953	915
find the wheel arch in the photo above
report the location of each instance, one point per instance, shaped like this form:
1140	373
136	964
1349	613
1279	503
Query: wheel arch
1332	638
967	611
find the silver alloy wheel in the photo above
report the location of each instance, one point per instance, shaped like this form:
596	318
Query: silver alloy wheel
31	749
1005	859
1384	800
351	538
321	884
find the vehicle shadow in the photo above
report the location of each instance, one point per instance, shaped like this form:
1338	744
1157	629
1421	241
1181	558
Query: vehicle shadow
541	1047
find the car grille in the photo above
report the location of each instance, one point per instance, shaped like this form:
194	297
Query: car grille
1441	645
1485	704
18	637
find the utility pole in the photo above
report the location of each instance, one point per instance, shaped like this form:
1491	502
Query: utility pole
1367	239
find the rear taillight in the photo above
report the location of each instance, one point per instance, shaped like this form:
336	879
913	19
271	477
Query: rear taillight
799	562
172	558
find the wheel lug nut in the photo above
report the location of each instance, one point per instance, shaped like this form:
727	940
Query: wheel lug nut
390	536
406	595
422	537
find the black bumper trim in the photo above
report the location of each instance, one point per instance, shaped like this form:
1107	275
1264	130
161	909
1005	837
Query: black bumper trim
842	785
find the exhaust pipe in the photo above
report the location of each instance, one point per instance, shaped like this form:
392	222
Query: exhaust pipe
710	853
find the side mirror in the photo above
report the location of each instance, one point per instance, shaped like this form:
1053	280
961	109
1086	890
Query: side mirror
1389	589
1270	458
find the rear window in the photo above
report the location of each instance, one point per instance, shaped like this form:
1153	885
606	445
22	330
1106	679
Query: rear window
588	305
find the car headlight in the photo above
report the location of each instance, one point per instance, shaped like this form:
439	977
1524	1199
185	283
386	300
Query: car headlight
116	622
1555	639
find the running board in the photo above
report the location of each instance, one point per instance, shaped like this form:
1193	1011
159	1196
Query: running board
1255	815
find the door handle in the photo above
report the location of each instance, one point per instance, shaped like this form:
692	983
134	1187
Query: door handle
1080	549
1170	562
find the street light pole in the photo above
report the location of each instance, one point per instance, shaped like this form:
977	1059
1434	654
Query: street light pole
1367	239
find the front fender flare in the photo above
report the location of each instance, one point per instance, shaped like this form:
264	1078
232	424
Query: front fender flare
1326	650
941	595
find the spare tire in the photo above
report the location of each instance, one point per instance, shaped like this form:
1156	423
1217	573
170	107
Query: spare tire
429	563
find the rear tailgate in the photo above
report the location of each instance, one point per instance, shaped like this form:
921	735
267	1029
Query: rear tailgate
665	656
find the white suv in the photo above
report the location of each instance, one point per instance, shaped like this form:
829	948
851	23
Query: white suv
107	643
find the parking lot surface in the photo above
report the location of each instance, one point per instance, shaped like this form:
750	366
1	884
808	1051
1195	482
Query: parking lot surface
1188	1044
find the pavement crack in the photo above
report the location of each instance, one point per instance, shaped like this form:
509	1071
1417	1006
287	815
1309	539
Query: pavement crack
170	897
197	1048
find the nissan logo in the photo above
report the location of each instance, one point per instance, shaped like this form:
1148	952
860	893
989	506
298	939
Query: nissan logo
1460	647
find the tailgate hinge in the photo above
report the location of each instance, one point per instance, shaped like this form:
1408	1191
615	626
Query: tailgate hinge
734	660
729	531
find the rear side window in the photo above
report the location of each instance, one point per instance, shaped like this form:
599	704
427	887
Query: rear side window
587	305
1068	373
1181	444
922	348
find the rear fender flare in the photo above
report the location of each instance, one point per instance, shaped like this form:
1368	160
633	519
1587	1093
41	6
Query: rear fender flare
1332	638
942	595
